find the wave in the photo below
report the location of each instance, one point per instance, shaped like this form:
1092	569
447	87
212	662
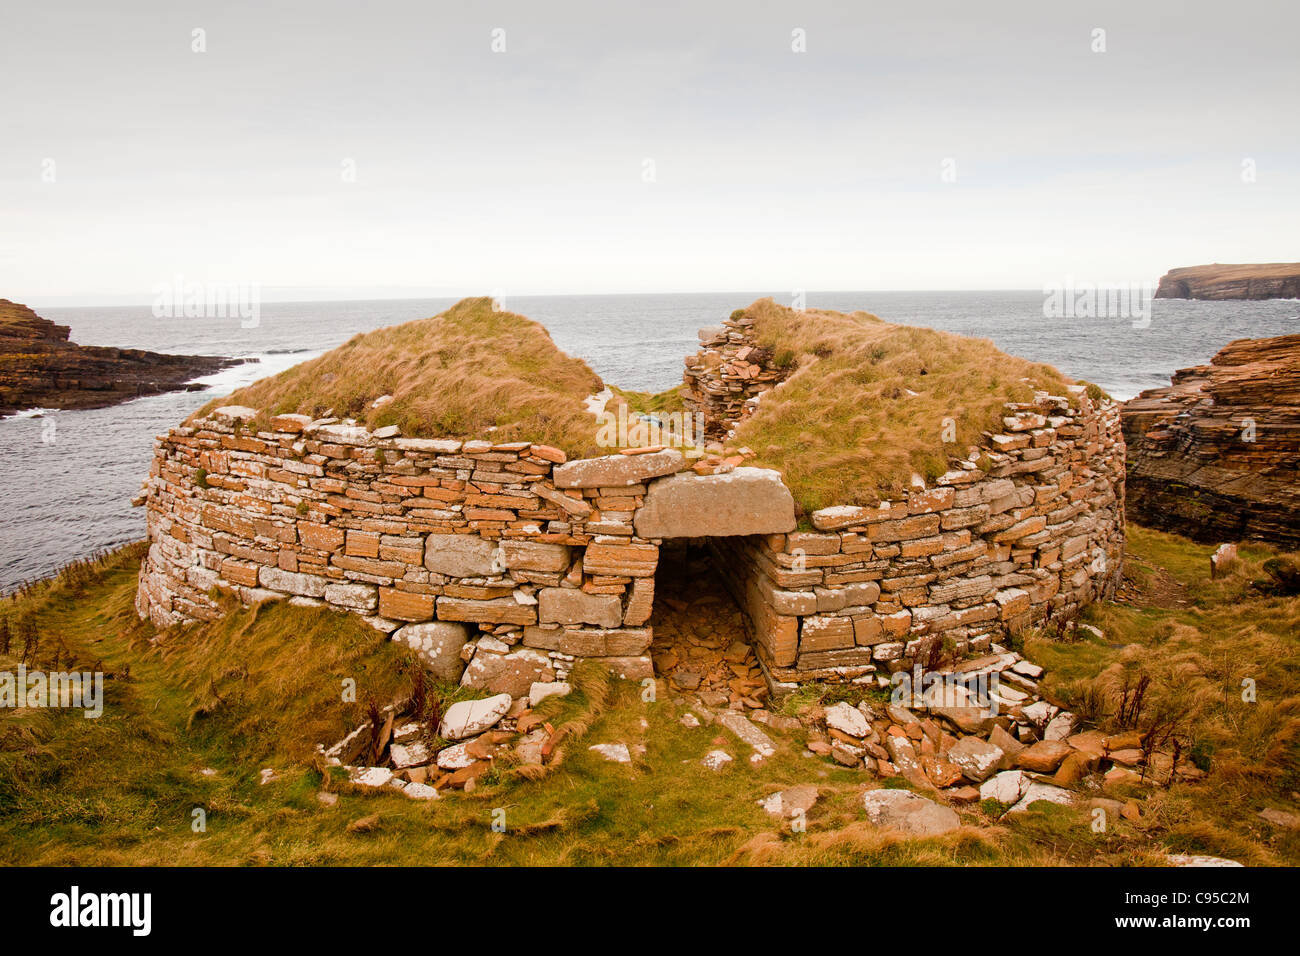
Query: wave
30	413
253	367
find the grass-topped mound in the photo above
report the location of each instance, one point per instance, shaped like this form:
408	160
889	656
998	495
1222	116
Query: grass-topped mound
867	403
471	372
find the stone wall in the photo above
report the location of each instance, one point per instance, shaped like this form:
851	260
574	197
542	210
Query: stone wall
501	564
1030	525
723	381
506	557
981	554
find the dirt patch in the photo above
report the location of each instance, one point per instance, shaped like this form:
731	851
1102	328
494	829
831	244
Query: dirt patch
700	643
1146	584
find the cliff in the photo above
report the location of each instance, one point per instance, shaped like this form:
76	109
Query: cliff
1216	455
39	367
1269	280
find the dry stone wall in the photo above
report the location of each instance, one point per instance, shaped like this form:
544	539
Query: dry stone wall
1031	525
503	564
723	381
1038	531
499	563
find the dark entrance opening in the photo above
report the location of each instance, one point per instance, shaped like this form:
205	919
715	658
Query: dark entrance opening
701	638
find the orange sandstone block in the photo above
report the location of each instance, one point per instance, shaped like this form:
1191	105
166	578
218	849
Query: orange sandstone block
239	572
362	544
405	606
320	536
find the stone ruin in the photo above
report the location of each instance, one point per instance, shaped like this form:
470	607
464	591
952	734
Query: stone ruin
501	565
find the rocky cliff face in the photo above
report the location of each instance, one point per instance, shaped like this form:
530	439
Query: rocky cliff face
1216	455
1271	280
39	367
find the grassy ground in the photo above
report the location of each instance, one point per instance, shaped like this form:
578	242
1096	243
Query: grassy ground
868	401
449	377
260	688
1223	661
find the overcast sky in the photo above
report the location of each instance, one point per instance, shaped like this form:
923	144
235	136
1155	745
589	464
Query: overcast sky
525	171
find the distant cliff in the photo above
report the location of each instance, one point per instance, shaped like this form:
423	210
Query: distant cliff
39	367
1216	455
1269	280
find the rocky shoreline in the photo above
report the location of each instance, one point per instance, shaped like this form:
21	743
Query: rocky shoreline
41	368
1215	455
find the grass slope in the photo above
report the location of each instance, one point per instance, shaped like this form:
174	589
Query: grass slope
261	687
866	405
471	372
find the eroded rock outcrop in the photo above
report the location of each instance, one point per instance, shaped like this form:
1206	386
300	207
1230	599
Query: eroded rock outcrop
1267	280
39	367
1216	455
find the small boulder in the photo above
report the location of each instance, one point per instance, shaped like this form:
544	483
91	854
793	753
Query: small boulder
1005	787
716	759
969	720
847	720
909	812
941	771
370	777
455	757
469	718
788	803
514	673
1042	791
413	754
1009	745
538	692
846	755
1044	756
1280	818
1073	768
438	645
1184	859
1060	726
977	759
530	748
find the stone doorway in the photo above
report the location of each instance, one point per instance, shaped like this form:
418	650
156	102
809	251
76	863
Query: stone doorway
701	641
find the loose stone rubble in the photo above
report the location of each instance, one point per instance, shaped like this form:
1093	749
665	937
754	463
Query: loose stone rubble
948	751
948	754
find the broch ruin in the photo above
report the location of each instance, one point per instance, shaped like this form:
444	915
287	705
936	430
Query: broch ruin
503	562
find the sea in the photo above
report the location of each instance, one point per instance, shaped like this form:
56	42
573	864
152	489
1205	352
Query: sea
67	477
